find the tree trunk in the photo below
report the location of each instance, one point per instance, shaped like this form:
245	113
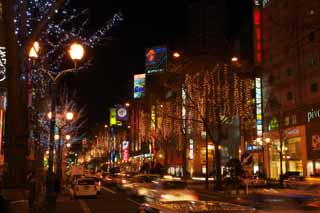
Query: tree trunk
217	156
15	132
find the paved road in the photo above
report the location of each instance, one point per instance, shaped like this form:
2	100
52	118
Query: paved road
111	200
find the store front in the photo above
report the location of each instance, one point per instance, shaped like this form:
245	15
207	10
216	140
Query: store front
313	133
294	151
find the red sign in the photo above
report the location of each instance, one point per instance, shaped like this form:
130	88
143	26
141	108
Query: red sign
257	33
125	151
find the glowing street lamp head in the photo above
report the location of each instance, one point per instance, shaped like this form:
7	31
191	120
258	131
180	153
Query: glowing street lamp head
49	115
69	116
76	51
68	137
34	50
127	104
176	55
234	59
68	145
106	126
56	137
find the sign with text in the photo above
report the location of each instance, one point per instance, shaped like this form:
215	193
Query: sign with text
139	85
125	151
156	59
122	113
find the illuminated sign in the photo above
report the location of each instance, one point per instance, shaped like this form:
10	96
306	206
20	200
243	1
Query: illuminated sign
122	113
184	110
113	117
156	60
3	62
190	149
153	117
139	84
125	151
259	121
313	114
257	34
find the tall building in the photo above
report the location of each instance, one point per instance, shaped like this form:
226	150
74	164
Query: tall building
291	86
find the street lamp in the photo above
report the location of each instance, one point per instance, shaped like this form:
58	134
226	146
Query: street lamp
76	52
176	54
68	137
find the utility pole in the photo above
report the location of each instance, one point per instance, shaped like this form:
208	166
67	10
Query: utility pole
207	157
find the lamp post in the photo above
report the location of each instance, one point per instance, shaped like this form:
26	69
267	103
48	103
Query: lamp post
76	53
68	116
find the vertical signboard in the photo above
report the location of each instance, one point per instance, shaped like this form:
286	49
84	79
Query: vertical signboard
113	117
257	32
156	59
257	46
258	108
3	60
139	85
125	151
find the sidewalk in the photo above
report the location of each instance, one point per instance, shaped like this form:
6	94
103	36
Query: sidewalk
64	204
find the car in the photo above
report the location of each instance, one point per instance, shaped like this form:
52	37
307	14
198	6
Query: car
141	183
110	179
123	180
84	187
290	173
254	181
97	181
166	190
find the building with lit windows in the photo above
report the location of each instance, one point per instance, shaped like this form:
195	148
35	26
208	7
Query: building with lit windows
291	86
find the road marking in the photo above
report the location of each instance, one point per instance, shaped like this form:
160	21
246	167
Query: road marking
133	201
84	206
108	190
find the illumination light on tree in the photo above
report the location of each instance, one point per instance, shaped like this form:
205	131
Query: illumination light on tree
34	50
68	137
69	116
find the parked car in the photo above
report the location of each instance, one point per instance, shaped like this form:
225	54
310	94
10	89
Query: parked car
291	173
166	190
141	183
84	187
97	182
254	181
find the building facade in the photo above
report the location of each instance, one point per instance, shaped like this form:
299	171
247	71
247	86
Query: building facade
291	86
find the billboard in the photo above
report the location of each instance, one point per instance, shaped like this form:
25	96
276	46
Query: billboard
113	116
156	59
138	85
125	150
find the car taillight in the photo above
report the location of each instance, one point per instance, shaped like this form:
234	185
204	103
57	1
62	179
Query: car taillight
108	179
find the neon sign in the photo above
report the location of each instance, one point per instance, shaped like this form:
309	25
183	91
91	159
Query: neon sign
257	33
3	62
259	122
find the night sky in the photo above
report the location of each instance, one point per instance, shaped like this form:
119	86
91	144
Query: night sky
121	54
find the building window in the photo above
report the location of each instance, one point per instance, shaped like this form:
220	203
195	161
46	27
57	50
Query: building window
293	119
287	121
289	72
314	87
274	124
312	60
289	96
312	37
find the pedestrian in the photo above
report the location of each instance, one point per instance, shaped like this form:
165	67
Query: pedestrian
57	184
31	184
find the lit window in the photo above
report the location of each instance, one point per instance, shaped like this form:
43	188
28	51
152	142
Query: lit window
287	121
289	96
293	119
314	87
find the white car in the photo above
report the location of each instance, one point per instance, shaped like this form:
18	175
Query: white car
84	187
97	181
170	190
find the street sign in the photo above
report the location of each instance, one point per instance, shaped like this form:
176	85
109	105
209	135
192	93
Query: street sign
246	158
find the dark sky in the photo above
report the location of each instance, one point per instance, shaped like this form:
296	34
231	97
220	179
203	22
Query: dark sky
146	23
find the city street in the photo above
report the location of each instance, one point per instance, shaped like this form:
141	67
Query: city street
113	200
